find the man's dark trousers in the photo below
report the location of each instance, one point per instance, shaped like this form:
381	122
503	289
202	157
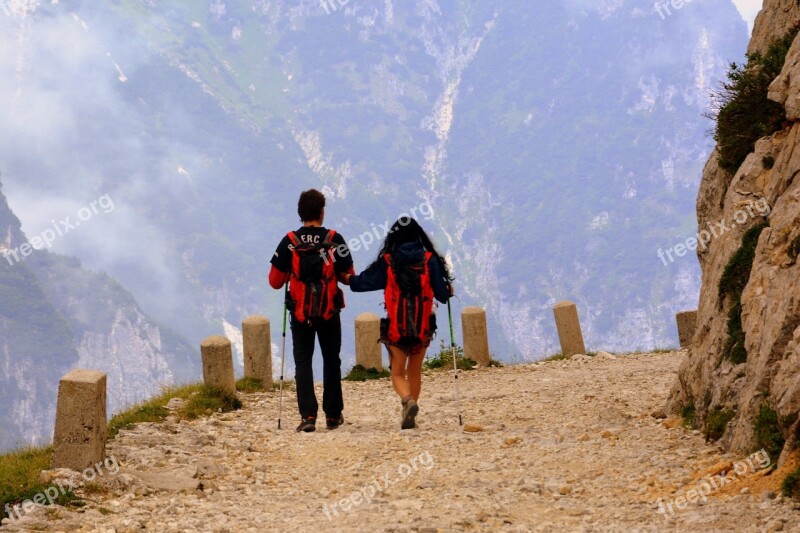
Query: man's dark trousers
329	333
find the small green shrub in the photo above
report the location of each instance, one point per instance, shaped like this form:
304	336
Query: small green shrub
794	248
737	272
688	413
734	349
790	487
768	162
716	422
732	283
444	359
557	357
745	114
360	373
767	432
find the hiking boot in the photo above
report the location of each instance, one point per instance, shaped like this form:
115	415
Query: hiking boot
307	425
333	423
410	410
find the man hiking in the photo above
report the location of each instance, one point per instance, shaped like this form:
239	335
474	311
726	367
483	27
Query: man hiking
313	260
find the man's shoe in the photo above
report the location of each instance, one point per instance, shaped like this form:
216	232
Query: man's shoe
410	410
307	425
333	423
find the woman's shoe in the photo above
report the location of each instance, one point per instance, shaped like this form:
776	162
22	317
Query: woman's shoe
410	410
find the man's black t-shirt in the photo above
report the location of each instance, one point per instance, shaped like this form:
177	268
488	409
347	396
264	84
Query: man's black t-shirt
282	260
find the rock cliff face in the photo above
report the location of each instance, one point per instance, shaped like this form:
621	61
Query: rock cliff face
762	393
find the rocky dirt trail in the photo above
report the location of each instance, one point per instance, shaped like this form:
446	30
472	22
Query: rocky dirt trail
564	446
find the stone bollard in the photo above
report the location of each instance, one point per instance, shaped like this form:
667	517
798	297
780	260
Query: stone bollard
79	440
569	329
257	349
476	339
218	363
687	323
368	349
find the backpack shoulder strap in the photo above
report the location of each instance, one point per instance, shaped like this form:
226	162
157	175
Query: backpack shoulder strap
293	238
329	238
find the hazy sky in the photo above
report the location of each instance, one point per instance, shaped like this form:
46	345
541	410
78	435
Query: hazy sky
749	9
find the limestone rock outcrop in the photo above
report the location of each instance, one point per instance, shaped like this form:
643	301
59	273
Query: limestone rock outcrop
765	188
775	18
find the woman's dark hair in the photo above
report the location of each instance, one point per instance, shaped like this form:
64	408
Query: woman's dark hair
310	205
405	230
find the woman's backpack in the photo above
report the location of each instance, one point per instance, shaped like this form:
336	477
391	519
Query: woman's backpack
409	303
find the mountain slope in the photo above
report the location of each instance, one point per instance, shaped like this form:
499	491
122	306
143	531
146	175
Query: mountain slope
557	144
56	316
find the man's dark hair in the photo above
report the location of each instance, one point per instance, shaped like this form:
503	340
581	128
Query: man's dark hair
310	205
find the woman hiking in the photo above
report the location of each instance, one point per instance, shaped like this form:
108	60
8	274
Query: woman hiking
411	273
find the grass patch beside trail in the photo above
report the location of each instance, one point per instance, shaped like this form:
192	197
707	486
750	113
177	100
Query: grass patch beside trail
19	477
444	359
207	401
20	470
153	410
198	400
250	385
360	373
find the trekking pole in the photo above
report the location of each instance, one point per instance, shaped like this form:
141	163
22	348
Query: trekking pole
455	363
283	354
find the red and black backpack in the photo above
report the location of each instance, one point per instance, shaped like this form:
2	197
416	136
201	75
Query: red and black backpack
313	288
409	303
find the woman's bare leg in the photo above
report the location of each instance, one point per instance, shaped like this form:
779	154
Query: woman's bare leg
399	381
414	371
